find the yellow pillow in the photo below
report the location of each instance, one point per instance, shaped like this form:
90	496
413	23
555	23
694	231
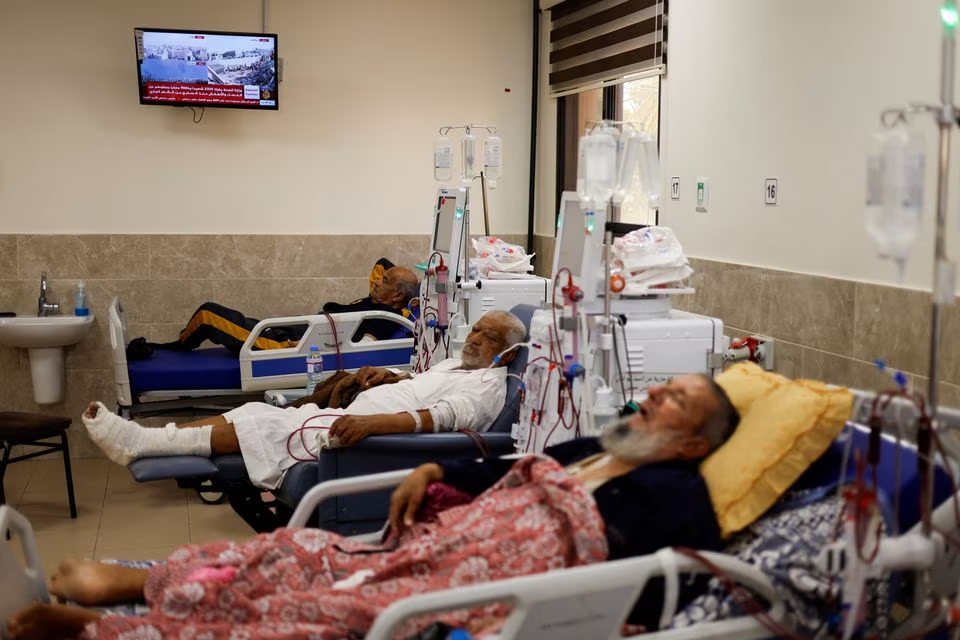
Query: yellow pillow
785	425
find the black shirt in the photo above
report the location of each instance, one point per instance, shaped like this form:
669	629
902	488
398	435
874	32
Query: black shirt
657	505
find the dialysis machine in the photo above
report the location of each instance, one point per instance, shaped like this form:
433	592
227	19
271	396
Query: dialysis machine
602	350
451	298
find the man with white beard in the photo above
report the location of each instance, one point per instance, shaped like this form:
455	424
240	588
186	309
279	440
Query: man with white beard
453	395
643	474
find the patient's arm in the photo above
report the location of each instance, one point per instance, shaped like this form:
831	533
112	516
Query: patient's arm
352	429
408	497
94	583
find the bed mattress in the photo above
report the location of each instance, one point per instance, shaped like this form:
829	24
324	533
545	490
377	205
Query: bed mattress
167	370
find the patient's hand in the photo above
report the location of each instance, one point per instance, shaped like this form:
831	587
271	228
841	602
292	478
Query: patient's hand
352	429
371	376
408	497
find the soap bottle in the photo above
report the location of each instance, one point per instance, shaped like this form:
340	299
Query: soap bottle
80	300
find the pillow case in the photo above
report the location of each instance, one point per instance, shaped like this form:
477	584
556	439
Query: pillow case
785	425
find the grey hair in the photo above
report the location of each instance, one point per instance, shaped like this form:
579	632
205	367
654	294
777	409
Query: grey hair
406	284
718	428
514	331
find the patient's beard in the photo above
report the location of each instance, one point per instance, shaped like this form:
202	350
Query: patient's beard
470	361
634	447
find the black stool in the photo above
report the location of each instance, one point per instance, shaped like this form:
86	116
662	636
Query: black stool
18	428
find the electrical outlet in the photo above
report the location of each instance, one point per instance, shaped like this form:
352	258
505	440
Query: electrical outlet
765	352
757	349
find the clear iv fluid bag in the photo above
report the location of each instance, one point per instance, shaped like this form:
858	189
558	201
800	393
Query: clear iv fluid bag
443	160
468	157
492	159
651	170
895	175
582	169
600	166
629	149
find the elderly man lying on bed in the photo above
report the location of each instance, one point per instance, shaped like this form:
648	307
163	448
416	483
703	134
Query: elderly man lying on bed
633	491
454	394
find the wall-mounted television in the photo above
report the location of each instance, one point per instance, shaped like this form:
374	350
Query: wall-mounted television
207	68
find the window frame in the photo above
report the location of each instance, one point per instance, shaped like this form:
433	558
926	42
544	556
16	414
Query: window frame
568	137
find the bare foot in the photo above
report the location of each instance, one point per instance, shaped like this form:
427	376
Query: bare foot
41	621
91	411
94	583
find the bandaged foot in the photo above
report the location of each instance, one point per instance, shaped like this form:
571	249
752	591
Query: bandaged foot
124	440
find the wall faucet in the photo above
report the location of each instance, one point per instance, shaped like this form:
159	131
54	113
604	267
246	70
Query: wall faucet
43	307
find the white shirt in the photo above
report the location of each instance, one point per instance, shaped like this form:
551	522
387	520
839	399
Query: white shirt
475	396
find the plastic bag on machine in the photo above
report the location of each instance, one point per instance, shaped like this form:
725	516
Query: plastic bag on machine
648	248
496	255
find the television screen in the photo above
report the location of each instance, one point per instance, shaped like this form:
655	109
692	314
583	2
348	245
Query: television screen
207	68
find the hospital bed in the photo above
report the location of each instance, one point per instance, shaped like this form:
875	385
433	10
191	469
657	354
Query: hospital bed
593	601
346	515
212	379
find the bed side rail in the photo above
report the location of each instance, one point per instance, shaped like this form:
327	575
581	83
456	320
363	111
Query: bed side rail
588	602
284	368
117	328
20	585
584	602
343	487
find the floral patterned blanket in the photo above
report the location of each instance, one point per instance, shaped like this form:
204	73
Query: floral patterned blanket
309	583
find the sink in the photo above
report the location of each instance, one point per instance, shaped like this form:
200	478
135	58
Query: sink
44	339
32	332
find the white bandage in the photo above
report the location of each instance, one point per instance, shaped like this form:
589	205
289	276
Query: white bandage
417	421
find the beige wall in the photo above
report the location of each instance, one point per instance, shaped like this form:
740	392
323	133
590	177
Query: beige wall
138	200
366	86
793	90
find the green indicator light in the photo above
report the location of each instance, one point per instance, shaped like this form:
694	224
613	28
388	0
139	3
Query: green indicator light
949	16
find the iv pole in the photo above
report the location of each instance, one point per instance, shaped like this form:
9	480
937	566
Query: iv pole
946	116
944	290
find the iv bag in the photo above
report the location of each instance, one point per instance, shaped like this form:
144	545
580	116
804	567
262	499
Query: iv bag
650	170
629	147
468	157
895	173
492	163
600	172
443	160
582	169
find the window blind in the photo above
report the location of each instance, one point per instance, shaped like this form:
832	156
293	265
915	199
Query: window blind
598	41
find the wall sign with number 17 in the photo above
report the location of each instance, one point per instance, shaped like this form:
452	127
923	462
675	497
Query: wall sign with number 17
675	188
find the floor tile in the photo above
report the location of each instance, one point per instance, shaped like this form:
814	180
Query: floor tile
211	523
49	475
16	479
143	526
118	518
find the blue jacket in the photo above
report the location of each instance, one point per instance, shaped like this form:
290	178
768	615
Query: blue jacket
663	504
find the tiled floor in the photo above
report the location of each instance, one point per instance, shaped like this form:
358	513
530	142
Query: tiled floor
116	517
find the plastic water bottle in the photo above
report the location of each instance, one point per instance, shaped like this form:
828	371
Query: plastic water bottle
314	368
80	300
